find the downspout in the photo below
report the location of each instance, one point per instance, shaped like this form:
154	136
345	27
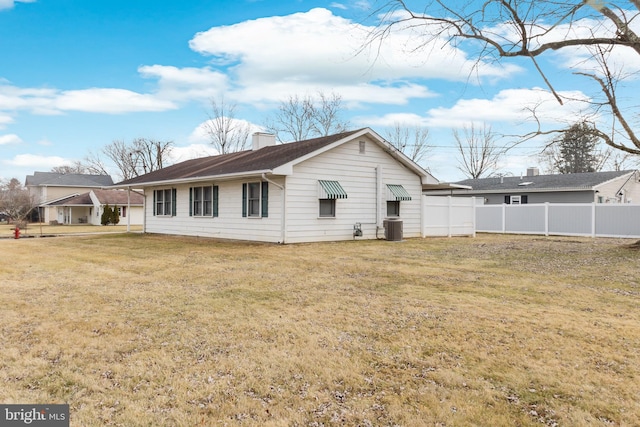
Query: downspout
282	209
378	199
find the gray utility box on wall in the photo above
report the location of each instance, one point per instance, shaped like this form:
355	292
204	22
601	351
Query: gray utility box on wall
393	229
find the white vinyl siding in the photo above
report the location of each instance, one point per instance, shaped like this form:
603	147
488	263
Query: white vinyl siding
356	173
229	224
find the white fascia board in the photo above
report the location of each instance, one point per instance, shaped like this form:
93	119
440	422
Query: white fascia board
226	177
426	177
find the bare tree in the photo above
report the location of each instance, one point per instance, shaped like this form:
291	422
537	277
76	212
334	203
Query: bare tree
138	157
529	29
478	152
149	154
76	167
15	200
300	118
226	133
327	115
411	140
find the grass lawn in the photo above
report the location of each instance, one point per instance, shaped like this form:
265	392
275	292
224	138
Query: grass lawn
142	330
37	230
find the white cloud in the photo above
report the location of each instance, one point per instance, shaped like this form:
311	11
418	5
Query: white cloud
511	106
192	151
336	5
111	101
200	136
280	55
8	4
10	139
5	120
36	162
180	84
96	100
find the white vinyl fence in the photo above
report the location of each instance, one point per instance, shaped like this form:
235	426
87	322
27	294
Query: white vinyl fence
567	219
448	216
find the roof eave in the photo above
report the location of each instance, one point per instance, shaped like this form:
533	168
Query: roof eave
224	177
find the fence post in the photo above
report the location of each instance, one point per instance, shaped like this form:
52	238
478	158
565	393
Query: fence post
449	209
546	219
504	218
593	219
473	220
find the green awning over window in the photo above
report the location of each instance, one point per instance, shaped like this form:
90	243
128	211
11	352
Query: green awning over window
331	190
397	193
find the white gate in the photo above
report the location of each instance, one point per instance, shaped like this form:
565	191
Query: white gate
448	216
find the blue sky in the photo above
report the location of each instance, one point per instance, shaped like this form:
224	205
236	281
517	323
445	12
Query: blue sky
76	75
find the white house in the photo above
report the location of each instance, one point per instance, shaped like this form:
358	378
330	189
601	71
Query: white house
50	187
323	189
87	208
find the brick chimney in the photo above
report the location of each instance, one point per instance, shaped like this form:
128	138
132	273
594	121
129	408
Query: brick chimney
262	139
533	172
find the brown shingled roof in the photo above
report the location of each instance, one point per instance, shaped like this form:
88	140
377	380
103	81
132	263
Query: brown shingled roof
118	197
110	197
266	158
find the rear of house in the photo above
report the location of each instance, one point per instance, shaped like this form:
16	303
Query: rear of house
339	187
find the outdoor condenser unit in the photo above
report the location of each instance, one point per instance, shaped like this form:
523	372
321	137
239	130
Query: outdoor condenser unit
392	229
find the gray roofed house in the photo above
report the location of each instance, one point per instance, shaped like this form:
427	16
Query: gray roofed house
336	187
598	187
48	187
53	179
87	208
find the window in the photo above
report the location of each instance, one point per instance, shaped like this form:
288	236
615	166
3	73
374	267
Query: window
516	200
328	192
203	201
122	211
393	208
327	208
255	199
395	194
164	202
362	147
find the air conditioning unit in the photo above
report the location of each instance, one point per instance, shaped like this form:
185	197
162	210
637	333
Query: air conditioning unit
392	229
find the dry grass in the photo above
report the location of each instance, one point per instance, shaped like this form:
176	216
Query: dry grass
38	230
162	331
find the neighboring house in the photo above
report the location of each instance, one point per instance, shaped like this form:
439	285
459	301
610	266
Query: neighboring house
87	208
598	187
48	187
322	189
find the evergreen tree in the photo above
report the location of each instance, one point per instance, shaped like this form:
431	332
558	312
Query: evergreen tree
115	216
105	219
577	150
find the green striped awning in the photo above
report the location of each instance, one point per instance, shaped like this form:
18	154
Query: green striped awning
397	193
331	190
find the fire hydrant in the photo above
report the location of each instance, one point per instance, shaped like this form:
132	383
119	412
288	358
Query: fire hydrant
16	232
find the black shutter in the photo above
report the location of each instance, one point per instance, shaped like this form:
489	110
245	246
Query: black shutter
265	199
191	201
214	196
524	199
154	202
173	201
507	199
244	199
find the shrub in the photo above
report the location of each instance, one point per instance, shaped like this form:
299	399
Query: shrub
105	219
